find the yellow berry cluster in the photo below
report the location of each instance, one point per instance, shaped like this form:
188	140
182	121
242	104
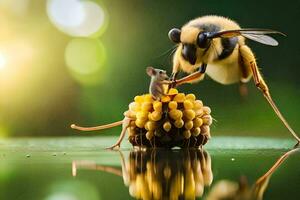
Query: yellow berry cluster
173	175
174	113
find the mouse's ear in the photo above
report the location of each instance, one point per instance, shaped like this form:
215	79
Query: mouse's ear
151	71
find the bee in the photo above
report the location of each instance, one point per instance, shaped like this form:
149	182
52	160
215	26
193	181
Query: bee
215	46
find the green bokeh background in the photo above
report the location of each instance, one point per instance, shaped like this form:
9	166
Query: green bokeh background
43	97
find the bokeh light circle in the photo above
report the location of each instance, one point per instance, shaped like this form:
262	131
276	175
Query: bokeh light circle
66	13
86	58
94	21
85	55
78	18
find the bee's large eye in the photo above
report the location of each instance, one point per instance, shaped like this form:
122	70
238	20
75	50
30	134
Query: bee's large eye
174	35
202	40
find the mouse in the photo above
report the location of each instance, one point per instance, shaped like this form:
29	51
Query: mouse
159	83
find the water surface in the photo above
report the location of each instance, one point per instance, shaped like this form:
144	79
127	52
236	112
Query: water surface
80	168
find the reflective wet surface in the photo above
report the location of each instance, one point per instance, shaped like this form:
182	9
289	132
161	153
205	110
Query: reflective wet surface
79	168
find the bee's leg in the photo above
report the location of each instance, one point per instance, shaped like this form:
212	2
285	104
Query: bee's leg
194	77
262	182
125	125
249	61
173	76
176	67
276	165
246	74
243	90
175	71
202	69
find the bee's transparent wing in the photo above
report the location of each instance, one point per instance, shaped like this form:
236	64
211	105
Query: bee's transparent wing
258	35
264	39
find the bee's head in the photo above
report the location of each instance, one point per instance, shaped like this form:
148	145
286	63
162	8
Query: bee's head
191	39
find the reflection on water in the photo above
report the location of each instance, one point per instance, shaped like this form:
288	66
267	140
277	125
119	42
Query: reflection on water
241	190
161	174
262	183
179	174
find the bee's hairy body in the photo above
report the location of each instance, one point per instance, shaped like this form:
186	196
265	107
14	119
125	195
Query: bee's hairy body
216	46
222	57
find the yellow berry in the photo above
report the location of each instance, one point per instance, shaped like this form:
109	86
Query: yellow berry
175	114
173	91
196	131
142	115
189	114
172	105
190	97
180	97
138	99
129	114
132	106
206	110
199	112
188	125
146	106
205	130
148	98
165	99
198	104
167	126
157	106
167	172
138	186
188	104
165	88
138	107
150	125
149	135
131	132
187	134
207	119
197	122
132	124
150	116
179	123
140	123
156	116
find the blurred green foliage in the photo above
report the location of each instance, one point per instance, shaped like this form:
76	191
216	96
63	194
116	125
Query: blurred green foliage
41	96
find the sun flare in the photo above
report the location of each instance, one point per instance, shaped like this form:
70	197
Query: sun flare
3	61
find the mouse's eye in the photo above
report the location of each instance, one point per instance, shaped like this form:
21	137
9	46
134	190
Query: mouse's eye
161	72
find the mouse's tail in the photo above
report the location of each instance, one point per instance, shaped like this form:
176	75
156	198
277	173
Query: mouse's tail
95	128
